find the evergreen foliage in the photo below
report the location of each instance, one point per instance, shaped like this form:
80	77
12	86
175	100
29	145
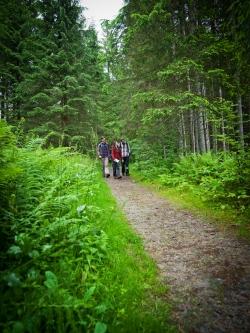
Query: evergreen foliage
184	61
57	76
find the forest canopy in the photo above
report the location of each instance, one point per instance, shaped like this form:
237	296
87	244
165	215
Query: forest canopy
174	74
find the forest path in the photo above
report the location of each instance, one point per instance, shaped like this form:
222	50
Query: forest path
208	270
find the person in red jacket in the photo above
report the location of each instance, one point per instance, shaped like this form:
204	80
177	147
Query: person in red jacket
116	160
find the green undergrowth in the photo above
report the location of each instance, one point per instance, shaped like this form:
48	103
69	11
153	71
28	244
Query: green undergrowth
69	261
215	204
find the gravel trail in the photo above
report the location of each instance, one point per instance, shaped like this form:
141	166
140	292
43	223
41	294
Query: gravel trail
208	270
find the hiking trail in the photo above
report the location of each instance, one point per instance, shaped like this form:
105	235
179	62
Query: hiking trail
207	269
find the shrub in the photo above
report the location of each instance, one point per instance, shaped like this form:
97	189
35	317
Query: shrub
222	179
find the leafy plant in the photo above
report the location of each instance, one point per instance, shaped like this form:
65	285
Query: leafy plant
221	180
67	266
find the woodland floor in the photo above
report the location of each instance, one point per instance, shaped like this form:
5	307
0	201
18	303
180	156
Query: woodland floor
207	269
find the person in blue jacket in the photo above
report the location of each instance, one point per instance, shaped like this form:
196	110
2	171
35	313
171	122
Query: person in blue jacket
103	151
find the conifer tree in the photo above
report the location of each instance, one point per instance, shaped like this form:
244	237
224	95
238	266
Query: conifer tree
57	75
17	21
185	70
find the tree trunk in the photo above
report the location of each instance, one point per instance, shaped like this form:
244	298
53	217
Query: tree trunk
192	131
196	131
214	125
181	144
205	120
222	124
215	141
184	133
201	132
191	117
165	152
201	123
207	134
241	129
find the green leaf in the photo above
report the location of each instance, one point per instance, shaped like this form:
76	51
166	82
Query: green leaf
34	254
18	327
13	280
51	281
101	308
89	293
46	247
100	327
14	250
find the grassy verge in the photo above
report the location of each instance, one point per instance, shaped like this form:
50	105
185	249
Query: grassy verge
72	263
229	218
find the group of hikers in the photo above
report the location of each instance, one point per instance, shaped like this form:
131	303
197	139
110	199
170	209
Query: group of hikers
118	153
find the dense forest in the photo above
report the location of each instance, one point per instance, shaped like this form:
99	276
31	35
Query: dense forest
179	85
179	69
170	76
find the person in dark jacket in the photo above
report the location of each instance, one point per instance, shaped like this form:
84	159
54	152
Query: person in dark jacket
116	159
104	154
125	151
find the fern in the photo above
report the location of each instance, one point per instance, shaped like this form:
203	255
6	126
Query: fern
55	245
